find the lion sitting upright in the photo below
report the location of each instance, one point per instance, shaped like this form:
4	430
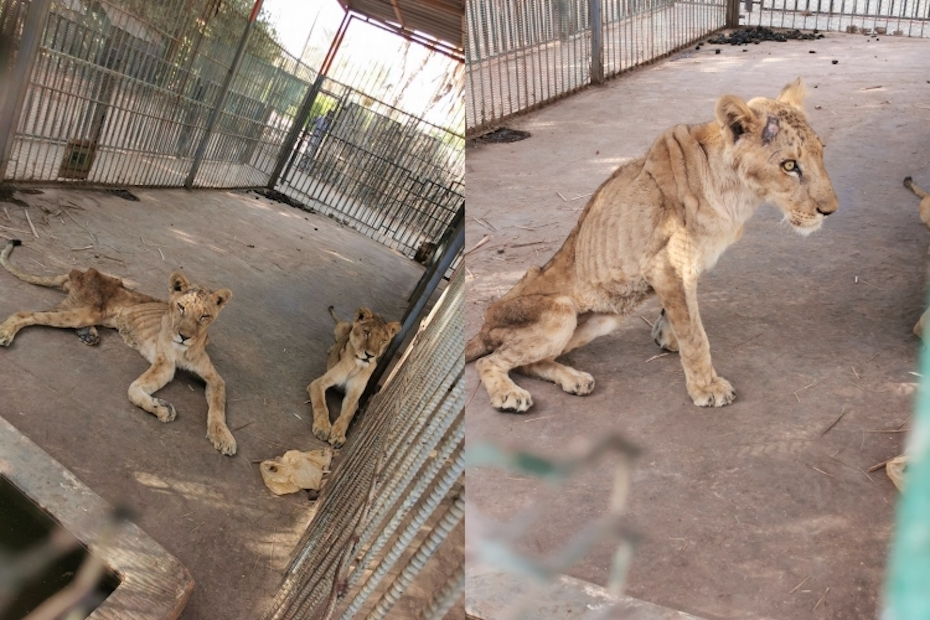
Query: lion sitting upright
652	228
349	365
170	335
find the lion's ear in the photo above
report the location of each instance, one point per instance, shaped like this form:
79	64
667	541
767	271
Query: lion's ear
363	314
177	283
733	113
222	297
793	94
393	328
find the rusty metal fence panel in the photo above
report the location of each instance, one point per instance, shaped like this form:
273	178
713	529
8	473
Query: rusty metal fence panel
909	18
524	53
396	493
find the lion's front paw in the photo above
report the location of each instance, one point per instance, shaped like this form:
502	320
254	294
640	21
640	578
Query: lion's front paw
663	334
717	394
514	399
337	436
322	429
222	439
164	410
6	337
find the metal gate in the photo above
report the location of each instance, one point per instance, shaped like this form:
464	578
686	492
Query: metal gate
193	93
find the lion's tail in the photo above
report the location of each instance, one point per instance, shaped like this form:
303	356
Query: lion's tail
909	183
332	313
49	281
476	348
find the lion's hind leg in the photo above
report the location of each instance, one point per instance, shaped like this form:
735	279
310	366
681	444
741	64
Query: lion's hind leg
588	327
75	319
663	334
530	330
569	379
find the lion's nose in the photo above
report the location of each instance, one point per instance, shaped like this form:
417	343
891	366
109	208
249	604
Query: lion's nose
828	206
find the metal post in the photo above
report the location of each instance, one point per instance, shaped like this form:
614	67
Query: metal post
221	100
286	154
733	12
13	94
597	41
416	308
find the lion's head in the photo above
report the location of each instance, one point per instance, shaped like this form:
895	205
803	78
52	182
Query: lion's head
191	309
370	336
779	155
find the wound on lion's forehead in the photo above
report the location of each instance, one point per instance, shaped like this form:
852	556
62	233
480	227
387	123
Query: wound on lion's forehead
771	130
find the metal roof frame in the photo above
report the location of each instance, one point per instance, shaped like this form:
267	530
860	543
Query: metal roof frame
436	24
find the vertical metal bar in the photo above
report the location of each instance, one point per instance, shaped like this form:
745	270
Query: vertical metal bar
13	98
221	99
286	154
451	518
414	311
445	598
597	41
732	19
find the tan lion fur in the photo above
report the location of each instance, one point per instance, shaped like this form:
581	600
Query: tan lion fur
652	228
924	209
170	335
349	364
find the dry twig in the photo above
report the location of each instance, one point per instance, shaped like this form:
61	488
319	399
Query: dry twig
821	599
31	225
824	432
484	240
795	589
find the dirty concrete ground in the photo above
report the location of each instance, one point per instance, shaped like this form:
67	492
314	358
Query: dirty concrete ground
284	266
735	507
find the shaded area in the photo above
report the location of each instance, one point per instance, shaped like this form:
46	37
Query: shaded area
284	267
25	526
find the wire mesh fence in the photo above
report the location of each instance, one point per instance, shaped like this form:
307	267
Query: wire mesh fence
395	177
397	492
909	18
523	53
137	93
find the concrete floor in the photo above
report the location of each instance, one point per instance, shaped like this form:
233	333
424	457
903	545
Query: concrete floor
734	507
284	267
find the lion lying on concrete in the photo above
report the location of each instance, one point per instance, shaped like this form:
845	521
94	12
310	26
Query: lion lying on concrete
652	228
170	335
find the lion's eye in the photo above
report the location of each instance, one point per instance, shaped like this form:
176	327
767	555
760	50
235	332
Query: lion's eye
181	308
790	165
204	318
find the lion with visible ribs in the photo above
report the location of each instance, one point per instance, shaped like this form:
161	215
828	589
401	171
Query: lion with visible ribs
170	335
652	228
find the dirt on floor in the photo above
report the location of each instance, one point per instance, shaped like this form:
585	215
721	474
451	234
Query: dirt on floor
764	508
284	266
